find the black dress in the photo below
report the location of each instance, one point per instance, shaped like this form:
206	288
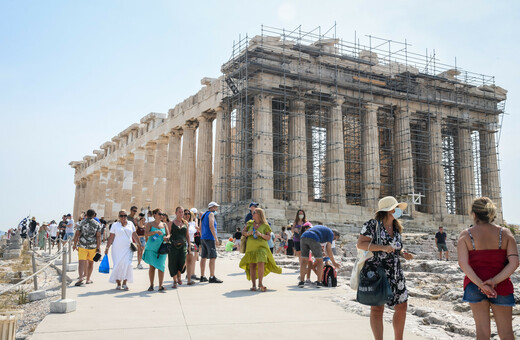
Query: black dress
389	261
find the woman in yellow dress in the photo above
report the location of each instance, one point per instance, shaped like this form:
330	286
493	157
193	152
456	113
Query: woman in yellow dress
258	259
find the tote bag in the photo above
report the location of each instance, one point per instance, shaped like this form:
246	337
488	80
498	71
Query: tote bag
374	288
104	266
362	257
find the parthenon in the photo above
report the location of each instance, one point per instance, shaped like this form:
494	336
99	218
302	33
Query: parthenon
301	120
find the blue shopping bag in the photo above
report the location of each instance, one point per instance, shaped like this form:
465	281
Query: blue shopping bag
104	266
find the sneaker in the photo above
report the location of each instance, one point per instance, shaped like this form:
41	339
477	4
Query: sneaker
214	279
319	284
139	266
203	279
195	277
301	284
308	282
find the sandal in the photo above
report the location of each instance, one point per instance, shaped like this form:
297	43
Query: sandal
79	283
125	287
118	287
253	289
179	282
263	288
150	289
174	286
161	288
190	283
89	282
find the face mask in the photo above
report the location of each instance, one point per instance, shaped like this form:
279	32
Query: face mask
301	217
215	213
398	212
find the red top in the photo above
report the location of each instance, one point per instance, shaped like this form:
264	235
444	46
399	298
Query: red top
488	263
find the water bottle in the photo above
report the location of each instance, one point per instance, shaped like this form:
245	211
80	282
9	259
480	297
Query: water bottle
254	234
329	284
154	237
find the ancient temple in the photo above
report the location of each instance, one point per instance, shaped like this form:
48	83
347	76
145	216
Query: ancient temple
304	121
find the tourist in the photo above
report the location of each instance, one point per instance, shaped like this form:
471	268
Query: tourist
299	220
69	230
62	226
249	216
53	231
122	233
488	255
132	216
179	236
157	232
230	245
282	238
382	236
139	230
440	242
258	260
32	231
237	236
193	254
290	243
87	240
270	242
42	235
208	240
336	238
311	240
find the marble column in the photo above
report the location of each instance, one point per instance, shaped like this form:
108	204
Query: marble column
262	172
203	182
117	204
489	170
336	155
111	187
77	196
173	171
149	175
222	168
94	192
436	198
83	196
464	171
188	166
88	193
128	178
370	158
161	161
102	191
298	189
137	178
403	160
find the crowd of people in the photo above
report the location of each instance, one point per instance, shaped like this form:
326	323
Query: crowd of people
487	253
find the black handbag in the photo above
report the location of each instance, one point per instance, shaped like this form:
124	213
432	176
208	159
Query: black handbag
178	243
163	249
374	288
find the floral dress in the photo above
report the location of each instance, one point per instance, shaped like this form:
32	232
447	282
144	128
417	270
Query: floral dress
389	261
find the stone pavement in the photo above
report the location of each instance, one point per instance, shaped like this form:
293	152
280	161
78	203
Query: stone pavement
219	311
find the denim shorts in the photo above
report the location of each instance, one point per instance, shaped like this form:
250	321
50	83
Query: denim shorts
472	294
67	236
142	240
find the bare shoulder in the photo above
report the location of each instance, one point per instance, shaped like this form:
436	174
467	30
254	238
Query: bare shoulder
463	235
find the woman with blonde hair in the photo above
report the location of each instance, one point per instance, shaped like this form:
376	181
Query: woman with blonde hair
488	255
193	254
382	236
258	259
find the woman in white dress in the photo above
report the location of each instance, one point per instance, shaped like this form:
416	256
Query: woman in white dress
121	234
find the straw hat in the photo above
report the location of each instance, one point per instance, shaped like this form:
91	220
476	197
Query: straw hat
389	203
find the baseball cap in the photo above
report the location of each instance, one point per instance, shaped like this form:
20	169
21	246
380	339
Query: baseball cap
213	204
253	204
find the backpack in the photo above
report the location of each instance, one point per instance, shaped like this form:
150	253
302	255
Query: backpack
330	275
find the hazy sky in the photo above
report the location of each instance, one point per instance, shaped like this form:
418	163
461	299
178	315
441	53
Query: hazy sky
73	74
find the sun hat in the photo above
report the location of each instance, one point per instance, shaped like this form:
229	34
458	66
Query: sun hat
390	203
194	210
213	204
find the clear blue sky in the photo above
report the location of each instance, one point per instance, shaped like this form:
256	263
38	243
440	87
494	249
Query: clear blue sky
73	74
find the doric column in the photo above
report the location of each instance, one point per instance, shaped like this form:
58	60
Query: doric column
336	154
403	161
222	169
298	190
173	171
128	179
490	175
82	196
370	164
102	191
137	178
77	198
95	189
464	171
88	193
436	198
262	173
149	174
118	187
161	161
188	165
203	182
111	187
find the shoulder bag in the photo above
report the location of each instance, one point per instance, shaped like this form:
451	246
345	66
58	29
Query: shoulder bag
133	246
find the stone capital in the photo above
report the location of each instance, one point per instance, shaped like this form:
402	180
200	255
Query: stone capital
372	106
207	116
176	132
297	105
103	170
338	100
150	145
191	125
120	161
129	156
162	139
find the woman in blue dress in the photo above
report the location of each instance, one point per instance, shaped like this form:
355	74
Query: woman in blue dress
157	232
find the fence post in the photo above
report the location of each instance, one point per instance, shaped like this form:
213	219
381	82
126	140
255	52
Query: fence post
70	250
35	279
64	275
50	245
59	242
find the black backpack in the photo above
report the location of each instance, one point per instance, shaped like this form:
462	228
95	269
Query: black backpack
330	275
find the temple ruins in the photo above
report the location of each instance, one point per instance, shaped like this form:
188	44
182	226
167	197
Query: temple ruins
305	120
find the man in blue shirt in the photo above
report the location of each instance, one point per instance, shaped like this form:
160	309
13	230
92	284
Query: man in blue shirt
311	240
208	238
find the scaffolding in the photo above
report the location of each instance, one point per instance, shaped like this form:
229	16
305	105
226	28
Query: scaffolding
461	108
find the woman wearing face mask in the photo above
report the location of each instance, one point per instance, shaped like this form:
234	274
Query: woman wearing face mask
299	220
387	248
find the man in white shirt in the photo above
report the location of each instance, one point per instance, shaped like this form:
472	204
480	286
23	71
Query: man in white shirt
53	230
69	230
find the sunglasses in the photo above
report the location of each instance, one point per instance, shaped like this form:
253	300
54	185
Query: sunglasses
186	213
134	210
123	215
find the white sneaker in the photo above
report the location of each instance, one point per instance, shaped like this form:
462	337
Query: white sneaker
139	266
308	282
